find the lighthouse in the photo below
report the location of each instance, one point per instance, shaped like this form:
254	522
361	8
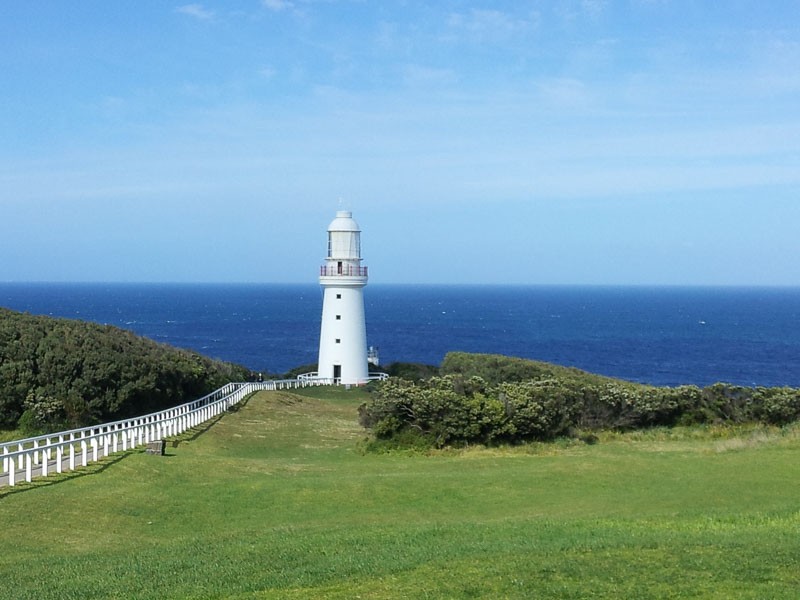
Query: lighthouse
343	335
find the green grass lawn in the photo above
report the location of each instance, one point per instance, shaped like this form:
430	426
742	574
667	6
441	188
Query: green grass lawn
277	500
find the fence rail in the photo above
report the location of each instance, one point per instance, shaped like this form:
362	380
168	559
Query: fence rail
40	456
314	377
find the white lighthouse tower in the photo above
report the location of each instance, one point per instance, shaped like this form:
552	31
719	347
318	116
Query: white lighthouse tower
343	335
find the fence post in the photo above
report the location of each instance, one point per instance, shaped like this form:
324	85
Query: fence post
60	454
28	466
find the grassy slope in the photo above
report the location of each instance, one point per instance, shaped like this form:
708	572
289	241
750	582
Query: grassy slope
275	501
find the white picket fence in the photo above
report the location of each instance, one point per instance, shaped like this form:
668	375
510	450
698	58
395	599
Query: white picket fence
22	460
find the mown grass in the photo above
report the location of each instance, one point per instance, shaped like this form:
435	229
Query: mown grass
278	500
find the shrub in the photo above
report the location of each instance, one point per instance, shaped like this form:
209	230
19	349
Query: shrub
537	410
778	406
488	398
411	371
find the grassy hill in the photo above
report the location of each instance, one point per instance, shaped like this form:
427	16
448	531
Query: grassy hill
278	500
61	373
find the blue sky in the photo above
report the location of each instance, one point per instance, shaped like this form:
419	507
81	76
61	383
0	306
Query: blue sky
572	141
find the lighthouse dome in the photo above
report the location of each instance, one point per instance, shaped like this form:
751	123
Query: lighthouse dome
344	221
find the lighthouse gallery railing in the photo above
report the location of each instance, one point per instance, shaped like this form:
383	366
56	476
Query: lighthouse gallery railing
343	271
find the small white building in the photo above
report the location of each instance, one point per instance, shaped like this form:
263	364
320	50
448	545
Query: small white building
343	335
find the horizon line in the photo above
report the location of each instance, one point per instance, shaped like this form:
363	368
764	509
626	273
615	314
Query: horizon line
411	284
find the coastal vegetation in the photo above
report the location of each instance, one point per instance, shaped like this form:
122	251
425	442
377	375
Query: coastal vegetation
279	500
491	399
58	374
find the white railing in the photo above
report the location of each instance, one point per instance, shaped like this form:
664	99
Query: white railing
313	377
40	456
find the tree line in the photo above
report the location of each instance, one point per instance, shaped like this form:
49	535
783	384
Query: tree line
492	399
58	374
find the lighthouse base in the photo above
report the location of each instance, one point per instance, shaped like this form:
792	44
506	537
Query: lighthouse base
343	336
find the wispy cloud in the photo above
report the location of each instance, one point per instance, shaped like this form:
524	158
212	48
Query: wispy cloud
570	10
278	5
195	10
267	72
484	25
564	93
594	8
418	75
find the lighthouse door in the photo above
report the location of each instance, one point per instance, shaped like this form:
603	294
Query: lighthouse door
337	373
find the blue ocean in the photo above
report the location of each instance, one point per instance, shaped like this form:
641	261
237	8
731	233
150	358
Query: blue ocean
656	335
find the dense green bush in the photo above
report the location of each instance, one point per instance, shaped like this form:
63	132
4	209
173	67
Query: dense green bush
496	368
444	410
777	406
57	373
301	370
412	371
490	398
540	409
